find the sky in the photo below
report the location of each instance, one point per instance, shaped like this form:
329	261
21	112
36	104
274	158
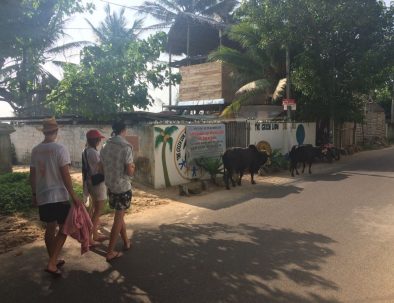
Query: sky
77	29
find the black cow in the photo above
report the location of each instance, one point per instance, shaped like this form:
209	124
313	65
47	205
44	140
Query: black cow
237	160
303	154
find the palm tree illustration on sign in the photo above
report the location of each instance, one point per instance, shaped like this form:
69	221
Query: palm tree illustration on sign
164	137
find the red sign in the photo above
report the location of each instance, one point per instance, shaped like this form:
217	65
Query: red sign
289	102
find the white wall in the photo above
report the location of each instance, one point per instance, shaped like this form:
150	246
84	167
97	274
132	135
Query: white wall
148	156
281	135
74	138
179	172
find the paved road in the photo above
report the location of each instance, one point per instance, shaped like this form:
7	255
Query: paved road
326	238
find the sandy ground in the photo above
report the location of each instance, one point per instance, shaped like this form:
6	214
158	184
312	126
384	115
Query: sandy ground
19	229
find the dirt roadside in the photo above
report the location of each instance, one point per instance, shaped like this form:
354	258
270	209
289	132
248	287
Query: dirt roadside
19	229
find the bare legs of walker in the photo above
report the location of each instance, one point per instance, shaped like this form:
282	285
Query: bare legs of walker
54	244
97	210
118	227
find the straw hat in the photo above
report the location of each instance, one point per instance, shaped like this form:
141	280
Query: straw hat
49	125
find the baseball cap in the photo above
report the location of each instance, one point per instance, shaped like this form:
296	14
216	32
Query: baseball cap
93	134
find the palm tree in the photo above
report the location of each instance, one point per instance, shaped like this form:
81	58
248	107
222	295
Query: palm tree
114	29
24	79
164	137
204	17
259	71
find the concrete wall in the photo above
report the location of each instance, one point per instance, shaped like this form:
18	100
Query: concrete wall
74	138
156	161
282	135
170	159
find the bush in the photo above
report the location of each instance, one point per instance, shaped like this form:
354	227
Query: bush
276	163
15	193
214	166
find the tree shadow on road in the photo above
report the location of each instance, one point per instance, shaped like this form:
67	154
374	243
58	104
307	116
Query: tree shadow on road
197	263
331	177
243	194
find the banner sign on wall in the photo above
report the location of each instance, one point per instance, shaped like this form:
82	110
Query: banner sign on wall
205	141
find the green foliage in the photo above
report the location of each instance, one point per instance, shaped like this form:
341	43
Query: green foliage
259	70
15	193
278	161
78	188
28	32
112	79
194	25
214	166
339	50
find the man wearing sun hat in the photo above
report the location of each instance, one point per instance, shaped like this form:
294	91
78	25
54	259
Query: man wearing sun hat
51	185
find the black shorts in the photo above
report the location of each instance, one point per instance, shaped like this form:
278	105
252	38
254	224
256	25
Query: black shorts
120	201
54	212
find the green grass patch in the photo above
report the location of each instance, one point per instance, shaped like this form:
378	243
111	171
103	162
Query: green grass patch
15	193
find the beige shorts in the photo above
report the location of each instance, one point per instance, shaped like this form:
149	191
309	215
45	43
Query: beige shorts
98	192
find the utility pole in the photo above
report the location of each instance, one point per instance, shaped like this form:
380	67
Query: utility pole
392	101
288	81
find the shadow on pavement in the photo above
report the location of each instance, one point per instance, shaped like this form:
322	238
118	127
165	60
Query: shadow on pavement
244	194
332	177
192	263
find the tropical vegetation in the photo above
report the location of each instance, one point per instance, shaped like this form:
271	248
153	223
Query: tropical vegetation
115	74
212	165
340	54
28	32
195	27
339	51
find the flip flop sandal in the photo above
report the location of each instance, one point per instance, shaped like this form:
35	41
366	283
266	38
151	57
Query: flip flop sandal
117	255
55	274
60	263
101	239
127	247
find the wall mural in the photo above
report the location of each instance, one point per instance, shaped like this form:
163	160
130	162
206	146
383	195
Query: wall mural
164	137
184	168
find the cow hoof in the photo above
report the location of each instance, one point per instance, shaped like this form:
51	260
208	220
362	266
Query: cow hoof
253	182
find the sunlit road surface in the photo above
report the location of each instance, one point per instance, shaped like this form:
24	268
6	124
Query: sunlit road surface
328	237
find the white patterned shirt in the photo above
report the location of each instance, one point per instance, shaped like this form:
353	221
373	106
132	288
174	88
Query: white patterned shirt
115	155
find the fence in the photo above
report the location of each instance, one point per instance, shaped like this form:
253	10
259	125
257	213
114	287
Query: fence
237	133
